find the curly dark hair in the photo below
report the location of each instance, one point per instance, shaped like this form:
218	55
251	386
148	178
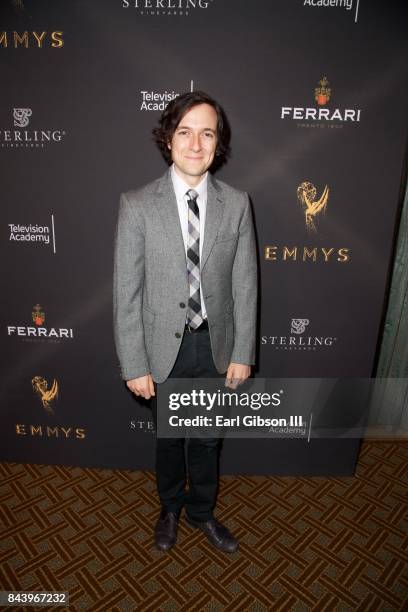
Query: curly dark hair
173	114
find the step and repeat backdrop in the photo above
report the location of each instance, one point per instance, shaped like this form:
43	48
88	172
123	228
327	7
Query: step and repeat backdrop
315	94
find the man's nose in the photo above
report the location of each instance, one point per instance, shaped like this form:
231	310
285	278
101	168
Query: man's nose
196	142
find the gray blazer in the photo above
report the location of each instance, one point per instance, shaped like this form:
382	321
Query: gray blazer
150	279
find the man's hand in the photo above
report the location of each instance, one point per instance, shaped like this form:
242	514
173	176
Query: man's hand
142	386
237	373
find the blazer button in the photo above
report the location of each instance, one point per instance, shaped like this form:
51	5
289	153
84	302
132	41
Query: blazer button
182	305
178	335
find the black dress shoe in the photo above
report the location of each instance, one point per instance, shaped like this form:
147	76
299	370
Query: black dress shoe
165	532
217	534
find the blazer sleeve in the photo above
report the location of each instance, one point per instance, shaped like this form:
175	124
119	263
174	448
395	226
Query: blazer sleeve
128	283
244	291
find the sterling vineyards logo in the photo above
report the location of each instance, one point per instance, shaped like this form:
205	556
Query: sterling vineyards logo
297	341
22	116
320	116
298	326
143	425
28	138
178	8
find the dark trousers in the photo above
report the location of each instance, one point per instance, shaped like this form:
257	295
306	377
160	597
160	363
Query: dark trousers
193	361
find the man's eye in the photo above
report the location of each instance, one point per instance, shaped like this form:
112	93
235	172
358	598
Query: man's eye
183	133
209	135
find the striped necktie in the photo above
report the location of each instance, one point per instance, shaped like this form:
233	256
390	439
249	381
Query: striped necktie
194	315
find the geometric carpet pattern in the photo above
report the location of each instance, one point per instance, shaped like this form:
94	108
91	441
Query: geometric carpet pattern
324	544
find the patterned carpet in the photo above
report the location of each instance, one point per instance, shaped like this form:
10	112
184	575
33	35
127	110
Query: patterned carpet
305	543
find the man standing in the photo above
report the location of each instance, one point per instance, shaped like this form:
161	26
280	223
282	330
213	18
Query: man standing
185	295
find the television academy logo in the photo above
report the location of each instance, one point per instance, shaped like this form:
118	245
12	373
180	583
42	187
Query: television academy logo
156	100
48	396
321	117
296	341
33	233
29	139
176	8
341	4
38	333
312	207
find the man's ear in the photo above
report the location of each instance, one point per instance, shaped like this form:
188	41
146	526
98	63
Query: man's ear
169	145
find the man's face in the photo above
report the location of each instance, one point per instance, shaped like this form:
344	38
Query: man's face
194	142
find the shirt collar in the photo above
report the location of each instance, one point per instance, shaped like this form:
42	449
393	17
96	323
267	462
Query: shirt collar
181	187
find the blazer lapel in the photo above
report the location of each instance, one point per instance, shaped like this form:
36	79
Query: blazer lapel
215	210
166	205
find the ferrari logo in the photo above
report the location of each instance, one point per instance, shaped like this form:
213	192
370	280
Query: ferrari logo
323	92
38	315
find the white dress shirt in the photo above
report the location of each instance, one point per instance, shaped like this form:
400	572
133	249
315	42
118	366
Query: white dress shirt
180	189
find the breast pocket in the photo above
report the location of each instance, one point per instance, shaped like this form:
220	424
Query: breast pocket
226	237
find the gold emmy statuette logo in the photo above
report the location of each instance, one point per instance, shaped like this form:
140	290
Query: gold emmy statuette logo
18	6
38	315
306	193
323	92
47	396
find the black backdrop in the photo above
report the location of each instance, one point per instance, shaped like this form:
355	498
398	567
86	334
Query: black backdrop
75	131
